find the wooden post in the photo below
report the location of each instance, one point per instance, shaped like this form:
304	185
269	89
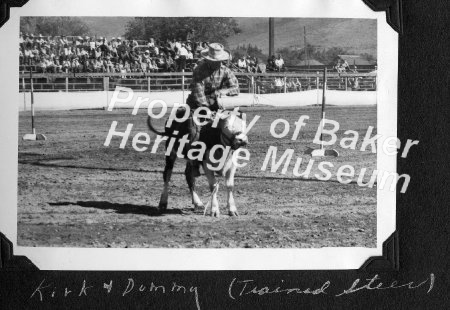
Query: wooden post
24	94
106	83
284	83
253	84
148	84
106	89
346	83
323	105
67	84
182	82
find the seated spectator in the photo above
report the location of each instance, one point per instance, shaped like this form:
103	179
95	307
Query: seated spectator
98	42
98	52
98	66
66	65
127	66
182	56
345	66
153	67
279	63
242	63
90	65
63	41
108	64
40	40
271	63
104	48
35	57
42	65
50	65
278	82
146	57
113	43
251	64
27	56
297	84
170	63
161	61
76	66
21	57
91	43
57	65
190	56
260	66
354	82
78	41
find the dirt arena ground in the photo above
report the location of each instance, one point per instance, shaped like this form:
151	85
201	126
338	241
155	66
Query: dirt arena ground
74	191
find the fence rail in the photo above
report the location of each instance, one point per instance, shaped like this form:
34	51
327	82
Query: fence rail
171	81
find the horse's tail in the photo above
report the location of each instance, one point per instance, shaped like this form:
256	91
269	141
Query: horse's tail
150	126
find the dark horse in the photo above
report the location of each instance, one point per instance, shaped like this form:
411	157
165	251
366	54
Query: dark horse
219	143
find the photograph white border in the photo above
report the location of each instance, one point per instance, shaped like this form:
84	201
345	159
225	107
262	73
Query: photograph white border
54	258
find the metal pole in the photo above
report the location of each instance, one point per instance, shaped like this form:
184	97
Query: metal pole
306	46
32	102
284	82
271	36
323	104
148	84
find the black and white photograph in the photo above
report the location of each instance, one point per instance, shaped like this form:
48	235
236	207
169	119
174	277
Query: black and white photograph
185	132
206	154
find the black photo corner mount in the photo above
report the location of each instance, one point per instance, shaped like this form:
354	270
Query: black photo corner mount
393	9
388	261
8	261
5	5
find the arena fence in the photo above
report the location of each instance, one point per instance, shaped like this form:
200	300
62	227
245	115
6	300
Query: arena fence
259	83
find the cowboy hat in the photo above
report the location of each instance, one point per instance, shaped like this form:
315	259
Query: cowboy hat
215	52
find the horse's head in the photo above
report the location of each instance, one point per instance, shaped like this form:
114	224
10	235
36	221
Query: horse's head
232	130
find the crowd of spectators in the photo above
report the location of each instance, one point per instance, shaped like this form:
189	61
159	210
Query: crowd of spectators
56	54
254	65
90	54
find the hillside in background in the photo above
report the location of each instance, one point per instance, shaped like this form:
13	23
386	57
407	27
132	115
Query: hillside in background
107	26
357	35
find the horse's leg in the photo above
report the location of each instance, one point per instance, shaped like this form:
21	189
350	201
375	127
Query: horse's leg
212	187
190	179
170	161
229	179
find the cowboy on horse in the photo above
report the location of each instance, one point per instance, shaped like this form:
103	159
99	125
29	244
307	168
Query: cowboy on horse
210	79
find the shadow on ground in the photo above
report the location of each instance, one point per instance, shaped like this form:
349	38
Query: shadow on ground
121	208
